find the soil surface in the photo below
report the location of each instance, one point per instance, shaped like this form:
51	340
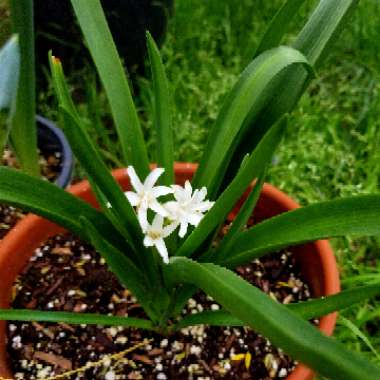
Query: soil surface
50	167
66	274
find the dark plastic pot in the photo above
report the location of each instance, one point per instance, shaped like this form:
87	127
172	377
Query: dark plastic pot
51	140
128	20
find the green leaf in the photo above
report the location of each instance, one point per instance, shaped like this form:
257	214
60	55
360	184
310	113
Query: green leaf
252	169
323	28
325	305
209	318
249	95
162	113
73	318
241	219
359	334
95	122
314	41
60	85
278	26
9	73
45	199
283	328
124	269
103	51
89	157
307	309
109	212
23	130
357	216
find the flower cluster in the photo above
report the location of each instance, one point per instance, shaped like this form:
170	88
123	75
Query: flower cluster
187	208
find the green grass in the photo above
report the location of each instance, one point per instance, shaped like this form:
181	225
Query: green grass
5	26
332	146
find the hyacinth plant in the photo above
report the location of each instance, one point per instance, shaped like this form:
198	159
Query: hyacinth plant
157	237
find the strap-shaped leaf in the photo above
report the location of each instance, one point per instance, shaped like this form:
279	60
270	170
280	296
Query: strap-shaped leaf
314	41
282	327
9	73
359	334
308	309
323	27
89	156
45	199
90	159
357	216
110	214
322	306
252	169
103	51
241	219
124	269
60	85
23	132
209	318
73	318
278	26
249	95
162	113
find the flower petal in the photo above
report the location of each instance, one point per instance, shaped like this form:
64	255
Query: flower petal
159	191
195	218
188	190
169	229
183	229
135	180
157	222
161	248
143	218
204	206
179	193
148	241
133	198
158	208
152	178
171	207
199	195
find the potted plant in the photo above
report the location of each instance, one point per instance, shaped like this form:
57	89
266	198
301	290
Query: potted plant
49	138
40	147
29	134
158	238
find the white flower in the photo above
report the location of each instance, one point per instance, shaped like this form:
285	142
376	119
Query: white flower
155	234
146	194
189	207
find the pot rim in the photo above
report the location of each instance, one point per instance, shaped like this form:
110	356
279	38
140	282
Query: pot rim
67	164
15	238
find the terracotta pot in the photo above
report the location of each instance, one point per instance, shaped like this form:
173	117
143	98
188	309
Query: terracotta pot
316	259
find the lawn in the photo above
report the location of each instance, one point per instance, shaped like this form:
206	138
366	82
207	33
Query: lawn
332	146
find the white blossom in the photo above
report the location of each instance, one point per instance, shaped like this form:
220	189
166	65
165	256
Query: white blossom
188	207
146	194
155	234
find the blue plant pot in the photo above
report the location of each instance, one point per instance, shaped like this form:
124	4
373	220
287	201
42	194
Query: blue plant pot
50	140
